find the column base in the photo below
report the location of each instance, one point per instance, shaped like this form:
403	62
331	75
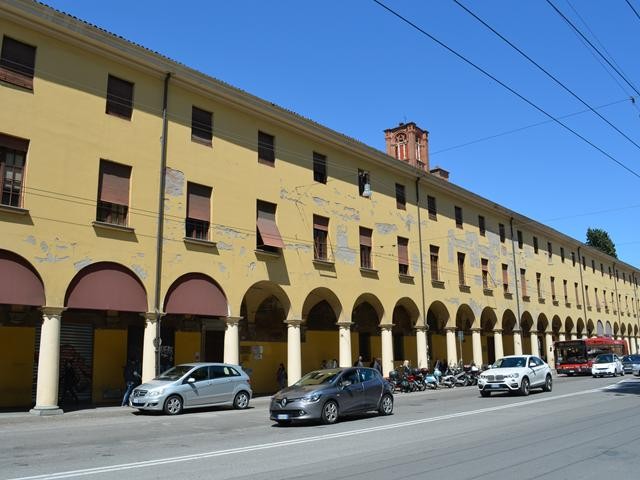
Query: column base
46	411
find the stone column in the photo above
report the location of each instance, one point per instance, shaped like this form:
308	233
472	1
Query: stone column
232	340
573	336
345	344
548	347
628	342
533	339
294	351
517	342
48	363
497	342
150	345
561	336
452	351
387	349
476	343
421	346
583	336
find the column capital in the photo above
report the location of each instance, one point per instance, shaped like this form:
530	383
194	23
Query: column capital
479	330
451	329
386	326
152	317
533	332
232	321
294	322
344	324
52	311
422	328
497	330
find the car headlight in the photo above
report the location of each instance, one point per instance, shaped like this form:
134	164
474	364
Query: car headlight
155	393
483	377
311	398
512	375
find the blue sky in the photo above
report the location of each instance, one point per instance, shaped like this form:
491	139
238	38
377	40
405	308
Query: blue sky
355	68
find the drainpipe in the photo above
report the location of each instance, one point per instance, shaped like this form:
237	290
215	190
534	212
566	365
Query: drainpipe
160	231
424	314
584	303
515	275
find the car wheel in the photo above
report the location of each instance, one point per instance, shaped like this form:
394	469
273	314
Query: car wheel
173	405
329	413
525	387
241	400
386	405
485	394
548	384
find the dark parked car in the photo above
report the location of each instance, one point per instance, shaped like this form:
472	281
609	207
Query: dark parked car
326	395
629	362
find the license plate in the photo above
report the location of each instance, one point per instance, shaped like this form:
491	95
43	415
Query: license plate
282	416
490	386
571	371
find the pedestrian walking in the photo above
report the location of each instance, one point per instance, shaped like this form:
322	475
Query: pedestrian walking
132	379
377	365
69	382
281	376
358	362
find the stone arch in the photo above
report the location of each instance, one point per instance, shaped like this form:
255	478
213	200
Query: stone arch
556	327
106	286
509	325
465	321
321	303
196	294
591	328
580	327
438	318
20	282
526	322
568	327
543	323
616	329
488	320
526	325
608	329
488	323
366	316
321	311
404	319
600	332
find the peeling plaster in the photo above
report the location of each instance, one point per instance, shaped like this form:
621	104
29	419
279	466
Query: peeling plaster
50	258
61	247
80	264
222	268
321	202
44	247
224	246
140	254
343	252
230	232
385	228
285	195
298	247
177	258
174	182
30	239
348	214
251	267
142	273
243	251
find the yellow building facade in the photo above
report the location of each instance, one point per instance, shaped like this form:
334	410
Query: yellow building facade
281	241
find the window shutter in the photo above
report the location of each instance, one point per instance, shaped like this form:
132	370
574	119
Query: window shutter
18	57
321	223
365	236
199	202
114	183
267	227
201	124
14	143
119	97
403	251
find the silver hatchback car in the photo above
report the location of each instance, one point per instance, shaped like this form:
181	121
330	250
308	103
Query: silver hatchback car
194	385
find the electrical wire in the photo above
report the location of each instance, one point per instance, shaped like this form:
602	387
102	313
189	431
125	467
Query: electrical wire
504	85
633	8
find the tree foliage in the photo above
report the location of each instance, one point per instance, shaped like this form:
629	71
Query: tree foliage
600	239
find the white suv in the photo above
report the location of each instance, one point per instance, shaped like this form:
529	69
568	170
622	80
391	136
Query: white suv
516	373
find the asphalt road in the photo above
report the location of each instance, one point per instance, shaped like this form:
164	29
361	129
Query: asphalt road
585	429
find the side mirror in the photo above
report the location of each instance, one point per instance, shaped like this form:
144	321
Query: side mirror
345	383
191	380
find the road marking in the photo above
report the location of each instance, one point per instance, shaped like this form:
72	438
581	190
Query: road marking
299	441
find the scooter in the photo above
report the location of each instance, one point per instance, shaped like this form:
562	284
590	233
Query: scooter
429	379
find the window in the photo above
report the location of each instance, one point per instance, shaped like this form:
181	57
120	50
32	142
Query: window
267	234
403	256
573	259
458	213
523	281
501	230
119	97
461	278
365	248
601	270
538	284
575	288
609	272
593	266
364	183
553	288
431	207
586	296
17	63
401	202
604	298
320	235
566	293
198	211
595	295
13	152
113	193
549	250
562	254
319	167
433	253
401	147
201	126
520	241
505	278
584	263
481	225
266	149
485	273
535	244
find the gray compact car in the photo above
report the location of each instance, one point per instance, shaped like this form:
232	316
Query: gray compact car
631	362
326	395
194	385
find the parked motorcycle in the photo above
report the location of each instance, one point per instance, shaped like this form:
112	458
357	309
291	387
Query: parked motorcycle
429	379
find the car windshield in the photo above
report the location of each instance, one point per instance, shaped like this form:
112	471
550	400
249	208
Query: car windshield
607	358
317	378
174	373
571	352
631	359
510	362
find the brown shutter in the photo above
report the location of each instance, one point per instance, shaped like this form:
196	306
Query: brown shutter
365	236
114	183
267	227
403	251
14	143
199	202
18	57
321	223
119	96
505	274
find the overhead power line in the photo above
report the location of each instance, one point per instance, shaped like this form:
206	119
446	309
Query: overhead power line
504	85
547	73
577	30
632	8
